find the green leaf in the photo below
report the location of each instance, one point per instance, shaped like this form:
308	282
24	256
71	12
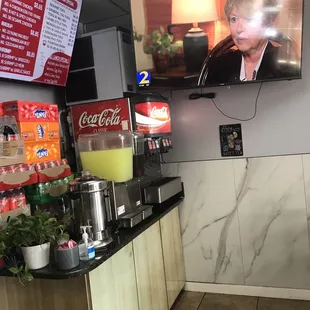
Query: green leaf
22	272
147	49
14	270
162	29
156	35
27	277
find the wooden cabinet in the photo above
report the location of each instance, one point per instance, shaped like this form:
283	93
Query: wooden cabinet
44	294
173	254
113	284
150	273
146	274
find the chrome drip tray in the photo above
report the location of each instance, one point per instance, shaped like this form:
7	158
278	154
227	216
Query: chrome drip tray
160	191
135	217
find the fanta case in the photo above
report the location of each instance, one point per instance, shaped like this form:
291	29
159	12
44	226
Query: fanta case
25	111
39	131
39	152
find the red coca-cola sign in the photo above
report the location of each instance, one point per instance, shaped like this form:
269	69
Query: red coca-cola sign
101	116
153	118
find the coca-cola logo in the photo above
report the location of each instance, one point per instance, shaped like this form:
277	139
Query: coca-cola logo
108	117
160	114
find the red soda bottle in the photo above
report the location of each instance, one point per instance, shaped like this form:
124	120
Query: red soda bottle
20	197
4	202
13	203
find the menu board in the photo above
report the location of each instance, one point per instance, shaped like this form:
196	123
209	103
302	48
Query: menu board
37	38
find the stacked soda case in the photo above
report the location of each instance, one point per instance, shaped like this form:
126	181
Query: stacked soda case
39	129
52	170
12	200
19	175
47	192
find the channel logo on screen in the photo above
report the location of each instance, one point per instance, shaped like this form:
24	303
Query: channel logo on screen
144	78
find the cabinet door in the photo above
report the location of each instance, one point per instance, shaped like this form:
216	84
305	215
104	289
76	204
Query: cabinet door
113	284
42	294
150	272
173	254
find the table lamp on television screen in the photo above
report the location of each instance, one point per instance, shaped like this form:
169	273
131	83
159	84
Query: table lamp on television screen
196	42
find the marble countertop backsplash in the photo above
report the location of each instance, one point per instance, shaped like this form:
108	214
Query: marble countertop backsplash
246	221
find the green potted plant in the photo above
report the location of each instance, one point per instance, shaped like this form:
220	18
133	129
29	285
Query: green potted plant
34	235
159	45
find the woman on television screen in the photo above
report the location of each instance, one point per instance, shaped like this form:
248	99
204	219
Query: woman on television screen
261	51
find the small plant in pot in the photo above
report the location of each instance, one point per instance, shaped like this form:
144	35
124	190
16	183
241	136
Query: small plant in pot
159	45
34	235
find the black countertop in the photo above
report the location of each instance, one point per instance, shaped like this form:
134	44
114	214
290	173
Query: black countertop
120	240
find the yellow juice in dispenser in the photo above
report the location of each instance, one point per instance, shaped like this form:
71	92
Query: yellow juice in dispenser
114	164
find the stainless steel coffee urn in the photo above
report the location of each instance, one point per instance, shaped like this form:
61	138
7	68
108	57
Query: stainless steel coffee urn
89	208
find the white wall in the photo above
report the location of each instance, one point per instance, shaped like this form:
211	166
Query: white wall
280	127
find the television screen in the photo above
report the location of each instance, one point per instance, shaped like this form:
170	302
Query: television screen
200	43
36	39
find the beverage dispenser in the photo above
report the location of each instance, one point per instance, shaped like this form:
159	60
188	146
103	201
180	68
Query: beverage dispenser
122	141
108	155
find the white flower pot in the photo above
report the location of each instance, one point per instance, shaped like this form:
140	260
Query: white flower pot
38	256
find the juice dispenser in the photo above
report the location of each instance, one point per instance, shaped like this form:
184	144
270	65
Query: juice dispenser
108	155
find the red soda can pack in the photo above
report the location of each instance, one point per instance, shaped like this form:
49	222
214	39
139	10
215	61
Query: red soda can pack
12	200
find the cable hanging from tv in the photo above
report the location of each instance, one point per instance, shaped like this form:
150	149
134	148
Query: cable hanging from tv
211	96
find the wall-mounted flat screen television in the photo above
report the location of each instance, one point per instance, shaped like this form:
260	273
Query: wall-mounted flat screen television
201	43
37	38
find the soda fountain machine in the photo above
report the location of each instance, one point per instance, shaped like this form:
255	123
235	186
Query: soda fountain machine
123	141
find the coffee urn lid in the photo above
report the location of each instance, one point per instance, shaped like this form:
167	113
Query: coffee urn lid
87	183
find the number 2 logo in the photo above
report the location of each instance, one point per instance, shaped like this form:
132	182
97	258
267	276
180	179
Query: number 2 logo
144	78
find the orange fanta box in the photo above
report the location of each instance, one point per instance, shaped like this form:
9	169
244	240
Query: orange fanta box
25	111
39	132
32	132
38	152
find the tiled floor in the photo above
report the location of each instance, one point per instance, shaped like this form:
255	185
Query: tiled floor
201	301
